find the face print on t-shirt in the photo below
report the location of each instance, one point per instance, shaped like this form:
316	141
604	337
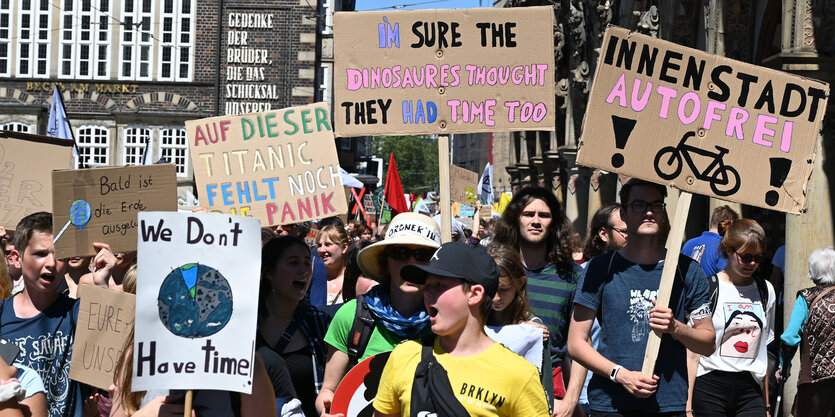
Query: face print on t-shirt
743	329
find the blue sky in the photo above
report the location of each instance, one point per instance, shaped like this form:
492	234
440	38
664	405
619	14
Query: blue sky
421	4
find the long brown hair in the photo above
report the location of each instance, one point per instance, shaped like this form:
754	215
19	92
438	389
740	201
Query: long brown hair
561	240
510	266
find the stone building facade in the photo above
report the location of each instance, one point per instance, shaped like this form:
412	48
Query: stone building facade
131	72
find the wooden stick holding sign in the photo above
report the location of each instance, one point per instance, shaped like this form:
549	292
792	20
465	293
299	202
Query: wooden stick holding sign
668	275
189	403
446	202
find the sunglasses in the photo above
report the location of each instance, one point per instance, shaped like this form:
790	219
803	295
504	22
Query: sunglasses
642	206
403	254
747	258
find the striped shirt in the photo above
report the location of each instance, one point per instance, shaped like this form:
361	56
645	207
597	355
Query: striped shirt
551	297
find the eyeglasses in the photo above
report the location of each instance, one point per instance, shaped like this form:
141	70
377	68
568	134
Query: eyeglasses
615	229
642	206
403	254
747	258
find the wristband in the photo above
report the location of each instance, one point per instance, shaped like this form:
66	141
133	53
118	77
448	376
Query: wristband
613	375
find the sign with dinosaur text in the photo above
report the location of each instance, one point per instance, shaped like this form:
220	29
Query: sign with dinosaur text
444	71
278	166
25	186
100	205
703	123
196	301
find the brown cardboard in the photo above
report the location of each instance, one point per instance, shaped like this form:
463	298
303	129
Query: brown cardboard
114	195
105	318
365	42
278	166
486	212
635	137
26	180
463	185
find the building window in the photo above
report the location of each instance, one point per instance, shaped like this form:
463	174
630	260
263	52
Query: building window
93	143
15	127
85	39
136	139
174	149
137	40
176	40
323	92
5	37
326	17
34	34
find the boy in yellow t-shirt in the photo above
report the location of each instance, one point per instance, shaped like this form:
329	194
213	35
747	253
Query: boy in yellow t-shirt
486	378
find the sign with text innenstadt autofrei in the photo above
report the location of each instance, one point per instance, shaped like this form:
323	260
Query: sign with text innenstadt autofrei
444	71
703	123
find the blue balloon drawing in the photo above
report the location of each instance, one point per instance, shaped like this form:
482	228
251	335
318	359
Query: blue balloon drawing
80	213
195	301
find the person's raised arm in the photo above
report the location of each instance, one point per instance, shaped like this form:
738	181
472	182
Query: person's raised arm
100	265
580	348
335	370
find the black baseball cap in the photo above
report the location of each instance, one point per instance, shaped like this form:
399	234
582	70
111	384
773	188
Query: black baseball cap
458	260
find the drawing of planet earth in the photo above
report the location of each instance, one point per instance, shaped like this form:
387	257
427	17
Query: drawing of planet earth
195	301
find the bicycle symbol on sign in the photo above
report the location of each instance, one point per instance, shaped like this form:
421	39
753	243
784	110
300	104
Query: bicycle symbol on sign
723	179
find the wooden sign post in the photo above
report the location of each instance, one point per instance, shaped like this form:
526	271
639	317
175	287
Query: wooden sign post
701	123
446	201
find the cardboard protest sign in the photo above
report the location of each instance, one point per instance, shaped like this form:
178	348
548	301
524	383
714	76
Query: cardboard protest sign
26	180
444	71
463	185
100	205
278	166
703	123
105	318
196	301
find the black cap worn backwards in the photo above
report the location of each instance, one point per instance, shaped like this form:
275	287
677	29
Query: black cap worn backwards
458	260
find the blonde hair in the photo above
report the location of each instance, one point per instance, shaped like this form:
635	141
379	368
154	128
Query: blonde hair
336	234
129	280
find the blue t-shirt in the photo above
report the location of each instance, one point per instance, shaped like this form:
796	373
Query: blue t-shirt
318	290
550	296
705	250
622	298
45	343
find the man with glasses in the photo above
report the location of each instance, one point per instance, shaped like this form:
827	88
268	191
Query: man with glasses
620	289
705	248
535	223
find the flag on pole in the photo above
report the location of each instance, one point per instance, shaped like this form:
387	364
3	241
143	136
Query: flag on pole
59	124
421	207
394	189
146	154
486	192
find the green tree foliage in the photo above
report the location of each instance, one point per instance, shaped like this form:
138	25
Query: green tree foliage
416	158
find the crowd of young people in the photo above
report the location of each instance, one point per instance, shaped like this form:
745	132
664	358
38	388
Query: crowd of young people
506	324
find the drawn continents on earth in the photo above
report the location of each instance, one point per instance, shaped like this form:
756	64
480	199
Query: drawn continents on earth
195	301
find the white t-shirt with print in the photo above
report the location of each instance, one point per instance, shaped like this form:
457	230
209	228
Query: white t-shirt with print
743	330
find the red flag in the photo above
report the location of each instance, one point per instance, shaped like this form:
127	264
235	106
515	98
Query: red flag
394	190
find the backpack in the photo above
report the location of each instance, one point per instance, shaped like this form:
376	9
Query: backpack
432	394
360	332
713	283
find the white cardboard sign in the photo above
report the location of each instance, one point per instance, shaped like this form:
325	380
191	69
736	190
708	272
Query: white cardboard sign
196	301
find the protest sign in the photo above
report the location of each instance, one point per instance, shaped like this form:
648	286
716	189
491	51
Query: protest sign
196	301
105	318
703	123
278	166
354	397
100	205
26	180
444	71
463	185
